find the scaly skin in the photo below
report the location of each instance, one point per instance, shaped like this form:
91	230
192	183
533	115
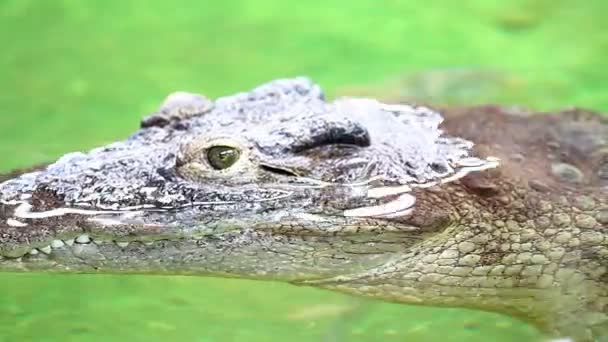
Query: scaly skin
304	203
524	239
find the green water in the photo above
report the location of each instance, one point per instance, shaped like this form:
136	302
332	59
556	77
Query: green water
77	74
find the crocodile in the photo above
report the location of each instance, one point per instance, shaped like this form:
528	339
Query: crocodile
483	207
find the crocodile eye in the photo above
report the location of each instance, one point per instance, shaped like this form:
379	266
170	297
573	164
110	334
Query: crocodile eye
222	157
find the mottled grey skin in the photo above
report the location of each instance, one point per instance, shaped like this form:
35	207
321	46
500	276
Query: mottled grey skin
503	212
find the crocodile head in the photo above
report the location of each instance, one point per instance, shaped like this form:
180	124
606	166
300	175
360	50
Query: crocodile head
274	183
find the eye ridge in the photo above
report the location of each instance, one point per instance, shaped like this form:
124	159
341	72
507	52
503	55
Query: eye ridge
222	157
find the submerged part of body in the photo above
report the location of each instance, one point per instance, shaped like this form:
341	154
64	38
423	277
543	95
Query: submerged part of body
491	209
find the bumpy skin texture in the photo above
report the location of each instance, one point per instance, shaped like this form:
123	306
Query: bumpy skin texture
527	239
352	195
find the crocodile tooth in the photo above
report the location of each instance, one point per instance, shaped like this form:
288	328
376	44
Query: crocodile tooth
149	243
401	205
69	242
98	242
33	251
45	249
122	244
57	243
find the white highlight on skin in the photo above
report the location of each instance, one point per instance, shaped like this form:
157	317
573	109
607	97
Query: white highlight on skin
402	204
471	162
396	107
492	162
131	208
14	223
24	211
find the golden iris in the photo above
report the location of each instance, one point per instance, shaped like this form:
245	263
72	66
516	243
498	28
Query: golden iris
222	157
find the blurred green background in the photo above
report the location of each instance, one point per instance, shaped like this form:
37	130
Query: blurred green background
77	74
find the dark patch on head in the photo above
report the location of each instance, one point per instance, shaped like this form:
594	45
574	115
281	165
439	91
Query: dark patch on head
350	134
180	126
439	168
155	120
164	121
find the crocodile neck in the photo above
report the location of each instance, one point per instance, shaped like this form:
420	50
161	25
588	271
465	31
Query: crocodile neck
526	239
535	256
